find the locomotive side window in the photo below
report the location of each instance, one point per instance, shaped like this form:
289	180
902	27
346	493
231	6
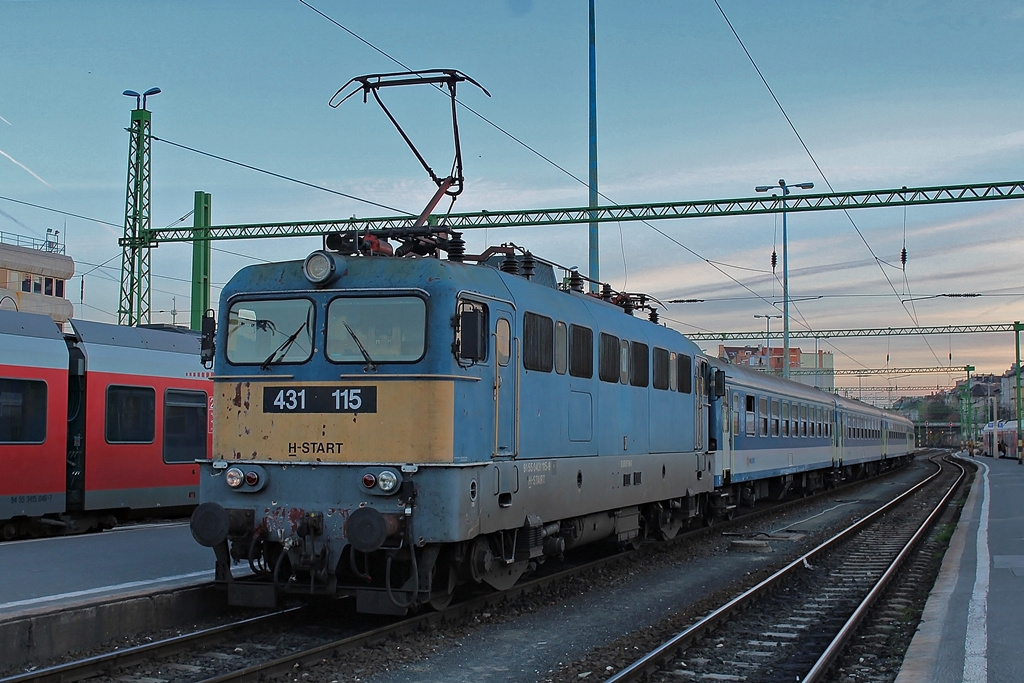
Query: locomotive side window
581	351
684	371
661	373
561	347
623	361
131	414
185	423
503	341
608	362
538	342
376	329
270	331
472	330
22	411
673	373
639	365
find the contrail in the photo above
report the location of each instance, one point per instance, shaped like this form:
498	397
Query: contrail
26	168
5	121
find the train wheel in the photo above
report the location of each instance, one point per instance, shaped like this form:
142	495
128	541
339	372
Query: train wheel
9	531
443	590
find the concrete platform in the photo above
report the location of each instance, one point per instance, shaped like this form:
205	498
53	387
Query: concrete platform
972	629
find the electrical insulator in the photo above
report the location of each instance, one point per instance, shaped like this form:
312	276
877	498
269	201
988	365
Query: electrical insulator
775	259
903	257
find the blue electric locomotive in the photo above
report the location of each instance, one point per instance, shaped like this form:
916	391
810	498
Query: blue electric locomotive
391	427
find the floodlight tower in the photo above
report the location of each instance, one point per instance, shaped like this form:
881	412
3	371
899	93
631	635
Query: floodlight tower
134	306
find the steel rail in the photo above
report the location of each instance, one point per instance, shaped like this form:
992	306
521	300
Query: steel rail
821	667
96	665
654	659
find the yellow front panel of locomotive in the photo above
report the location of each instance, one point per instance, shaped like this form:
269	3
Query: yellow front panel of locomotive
411	421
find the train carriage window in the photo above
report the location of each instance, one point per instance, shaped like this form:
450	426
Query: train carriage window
684	374
22	411
185	425
271	331
737	415
581	351
785	419
538	342
803	420
751	420
660	369
639	364
608	361
561	347
762	415
472	330
775	417
387	329
131	414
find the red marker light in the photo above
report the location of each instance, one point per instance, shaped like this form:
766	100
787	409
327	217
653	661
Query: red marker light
369	480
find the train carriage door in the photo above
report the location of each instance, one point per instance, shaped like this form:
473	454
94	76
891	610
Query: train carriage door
506	395
701	402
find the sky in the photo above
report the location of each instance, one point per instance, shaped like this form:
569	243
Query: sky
863	96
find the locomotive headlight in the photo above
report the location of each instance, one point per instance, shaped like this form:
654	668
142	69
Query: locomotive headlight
387	481
234	477
321	268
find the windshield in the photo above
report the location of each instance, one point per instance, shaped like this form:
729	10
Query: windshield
270	332
388	329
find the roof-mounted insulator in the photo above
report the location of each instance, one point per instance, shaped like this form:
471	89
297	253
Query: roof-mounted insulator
653	317
456	247
510	265
627	304
575	281
606	292
529	265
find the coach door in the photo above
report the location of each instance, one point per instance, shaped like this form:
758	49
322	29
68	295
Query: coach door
506	403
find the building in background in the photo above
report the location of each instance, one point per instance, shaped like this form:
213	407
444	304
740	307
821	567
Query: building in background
819	366
33	275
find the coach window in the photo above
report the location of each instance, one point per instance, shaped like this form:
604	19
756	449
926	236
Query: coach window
581	351
684	372
185	425
660	363
472	331
762	415
131	414
608	358
272	331
785	419
737	415
22	411
561	347
803	420
370	330
751	419
639	364
775	417
538	342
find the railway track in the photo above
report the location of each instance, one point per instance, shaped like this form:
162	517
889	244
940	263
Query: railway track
296	640
794	624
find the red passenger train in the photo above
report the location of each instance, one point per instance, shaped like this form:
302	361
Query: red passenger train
102	423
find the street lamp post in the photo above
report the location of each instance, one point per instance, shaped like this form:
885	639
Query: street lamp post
767	335
785	266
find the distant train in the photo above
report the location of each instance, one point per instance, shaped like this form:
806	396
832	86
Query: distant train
389	428
102	423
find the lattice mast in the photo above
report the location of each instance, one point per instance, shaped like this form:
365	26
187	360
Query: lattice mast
134	308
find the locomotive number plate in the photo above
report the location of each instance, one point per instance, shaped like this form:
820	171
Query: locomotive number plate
318	399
